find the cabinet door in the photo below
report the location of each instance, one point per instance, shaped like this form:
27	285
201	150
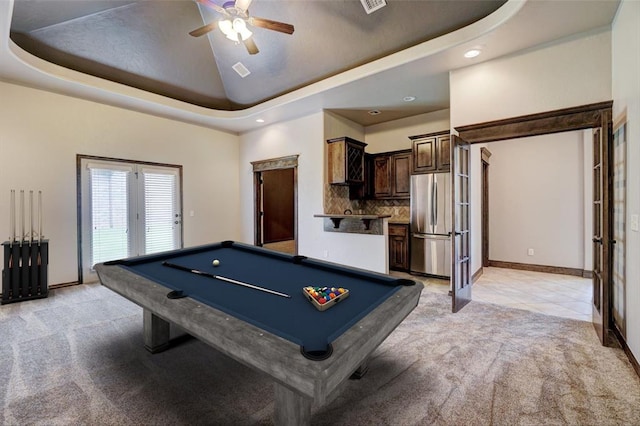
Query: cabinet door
401	175
382	176
424	155
355	163
336	163
398	247
444	153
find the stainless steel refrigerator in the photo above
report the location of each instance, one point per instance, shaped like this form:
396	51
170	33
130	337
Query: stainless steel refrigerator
431	224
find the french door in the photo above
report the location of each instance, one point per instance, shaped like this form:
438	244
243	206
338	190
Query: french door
461	235
127	209
601	303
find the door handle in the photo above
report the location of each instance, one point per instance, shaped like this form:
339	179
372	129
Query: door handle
597	240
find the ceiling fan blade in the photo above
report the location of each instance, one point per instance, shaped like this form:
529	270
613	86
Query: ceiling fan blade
271	25
243	5
203	30
210	4
251	46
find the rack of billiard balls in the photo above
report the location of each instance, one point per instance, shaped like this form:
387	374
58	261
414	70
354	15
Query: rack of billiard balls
325	297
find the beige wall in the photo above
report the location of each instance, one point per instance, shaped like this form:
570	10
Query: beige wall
394	135
43	132
575	71
536	200
626	99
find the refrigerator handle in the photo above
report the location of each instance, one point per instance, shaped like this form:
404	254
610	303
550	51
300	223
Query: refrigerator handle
435	204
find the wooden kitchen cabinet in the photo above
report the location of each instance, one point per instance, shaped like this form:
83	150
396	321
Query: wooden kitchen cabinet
345	161
399	246
431	152
391	175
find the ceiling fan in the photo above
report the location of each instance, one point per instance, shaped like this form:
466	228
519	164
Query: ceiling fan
234	23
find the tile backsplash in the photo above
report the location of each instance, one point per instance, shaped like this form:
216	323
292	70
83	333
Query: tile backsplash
336	200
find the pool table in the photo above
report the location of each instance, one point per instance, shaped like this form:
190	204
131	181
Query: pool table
307	352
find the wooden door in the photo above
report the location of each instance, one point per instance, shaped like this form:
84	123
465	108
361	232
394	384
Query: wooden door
278	205
461	236
601	245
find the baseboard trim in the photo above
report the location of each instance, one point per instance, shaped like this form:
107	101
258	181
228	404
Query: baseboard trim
537	268
61	285
477	275
627	351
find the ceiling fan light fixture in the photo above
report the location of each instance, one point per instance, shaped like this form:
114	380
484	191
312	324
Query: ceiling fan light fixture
240	26
235	30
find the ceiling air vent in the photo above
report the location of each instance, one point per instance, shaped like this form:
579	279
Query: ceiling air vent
371	6
241	69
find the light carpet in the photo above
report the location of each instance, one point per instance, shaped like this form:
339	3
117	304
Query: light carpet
77	358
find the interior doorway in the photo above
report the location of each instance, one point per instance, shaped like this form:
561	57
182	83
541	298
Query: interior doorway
275	189
593	116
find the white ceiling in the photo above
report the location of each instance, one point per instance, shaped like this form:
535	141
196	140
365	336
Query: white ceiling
381	84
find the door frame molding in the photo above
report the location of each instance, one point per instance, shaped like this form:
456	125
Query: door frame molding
287	162
562	120
485	154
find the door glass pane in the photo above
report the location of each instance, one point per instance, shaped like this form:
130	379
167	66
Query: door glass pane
160	195
109	215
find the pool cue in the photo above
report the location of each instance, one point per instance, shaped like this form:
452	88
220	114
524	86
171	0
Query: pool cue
24	249
41	275
31	217
39	216
12	224
221	278
9	274
33	276
21	216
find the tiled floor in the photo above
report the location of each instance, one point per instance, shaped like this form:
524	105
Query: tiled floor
551	294
288	246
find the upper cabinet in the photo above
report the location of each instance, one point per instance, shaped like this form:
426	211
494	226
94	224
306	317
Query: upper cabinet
391	174
431	152
346	161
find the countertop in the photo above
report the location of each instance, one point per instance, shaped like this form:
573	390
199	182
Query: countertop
354	216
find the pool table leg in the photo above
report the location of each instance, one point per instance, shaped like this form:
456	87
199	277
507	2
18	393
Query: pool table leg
156	332
291	408
361	371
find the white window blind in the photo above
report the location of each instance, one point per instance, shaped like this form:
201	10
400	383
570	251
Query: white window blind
160	194
109	214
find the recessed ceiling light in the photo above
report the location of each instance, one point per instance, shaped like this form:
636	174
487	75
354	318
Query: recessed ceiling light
259	120
374	112
409	98
472	53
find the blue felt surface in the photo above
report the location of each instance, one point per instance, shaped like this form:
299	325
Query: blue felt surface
295	319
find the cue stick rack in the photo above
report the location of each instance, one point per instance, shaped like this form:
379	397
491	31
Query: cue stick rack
26	254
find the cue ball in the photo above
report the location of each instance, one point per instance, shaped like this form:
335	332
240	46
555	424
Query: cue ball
216	262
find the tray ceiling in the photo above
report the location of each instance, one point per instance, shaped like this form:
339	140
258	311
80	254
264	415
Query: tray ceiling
146	44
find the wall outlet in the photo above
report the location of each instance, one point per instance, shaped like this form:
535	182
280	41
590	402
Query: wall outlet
530	252
634	222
